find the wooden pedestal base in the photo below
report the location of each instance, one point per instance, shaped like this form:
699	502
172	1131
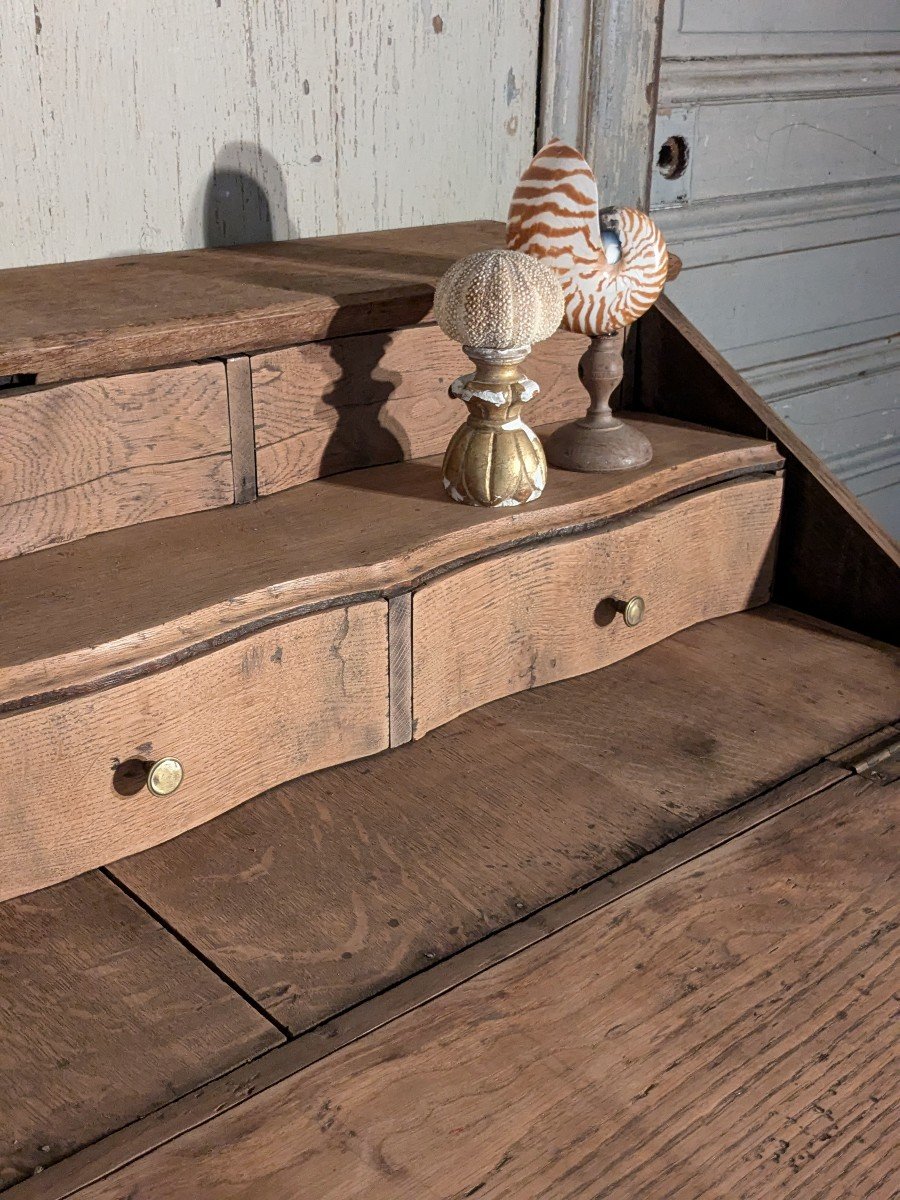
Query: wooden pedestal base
600	441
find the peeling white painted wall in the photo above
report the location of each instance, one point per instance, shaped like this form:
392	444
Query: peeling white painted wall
149	125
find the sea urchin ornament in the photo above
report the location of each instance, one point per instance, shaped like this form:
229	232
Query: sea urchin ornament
496	303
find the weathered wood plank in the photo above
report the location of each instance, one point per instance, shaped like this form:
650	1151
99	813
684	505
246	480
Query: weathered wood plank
85	457
236	1086
103	1017
597	95
302	696
385	867
548	612
240	417
96	610
356	402
728	1025
400	651
80	319
338	126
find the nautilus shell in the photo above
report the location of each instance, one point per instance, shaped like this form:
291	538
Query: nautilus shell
498	300
612	262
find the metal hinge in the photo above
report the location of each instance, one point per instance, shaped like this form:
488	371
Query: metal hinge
879	761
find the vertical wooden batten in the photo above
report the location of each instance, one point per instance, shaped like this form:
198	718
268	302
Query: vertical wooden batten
240	420
400	668
599	79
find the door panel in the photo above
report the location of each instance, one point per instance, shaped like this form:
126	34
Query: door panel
788	212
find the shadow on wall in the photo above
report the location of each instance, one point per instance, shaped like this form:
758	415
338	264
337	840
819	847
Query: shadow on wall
244	199
245	202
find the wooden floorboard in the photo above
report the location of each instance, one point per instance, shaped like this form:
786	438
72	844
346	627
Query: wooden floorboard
723	1031
334	886
103	1017
233	1088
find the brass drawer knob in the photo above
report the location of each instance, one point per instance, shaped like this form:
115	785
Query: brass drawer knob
165	777
632	610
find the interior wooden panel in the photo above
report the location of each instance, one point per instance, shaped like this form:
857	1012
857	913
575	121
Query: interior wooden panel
330	888
103	1017
98	454
541	614
79	319
356	402
282	702
98	610
726	1028
834	560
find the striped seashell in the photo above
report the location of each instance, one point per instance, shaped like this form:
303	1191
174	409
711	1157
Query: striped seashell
612	262
498	299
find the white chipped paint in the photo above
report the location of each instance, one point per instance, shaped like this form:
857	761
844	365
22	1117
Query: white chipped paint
151	125
528	389
461	389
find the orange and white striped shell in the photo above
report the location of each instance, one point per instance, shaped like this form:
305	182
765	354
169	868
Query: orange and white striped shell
612	262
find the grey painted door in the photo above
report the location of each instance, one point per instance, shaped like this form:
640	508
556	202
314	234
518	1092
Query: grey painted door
787	212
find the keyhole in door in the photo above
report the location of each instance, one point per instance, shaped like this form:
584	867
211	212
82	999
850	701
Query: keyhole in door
673	157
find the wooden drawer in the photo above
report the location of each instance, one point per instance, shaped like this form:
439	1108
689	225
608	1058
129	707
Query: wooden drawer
358	401
99	454
282	702
547	612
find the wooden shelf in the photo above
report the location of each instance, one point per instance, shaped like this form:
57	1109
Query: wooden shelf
76	320
122	602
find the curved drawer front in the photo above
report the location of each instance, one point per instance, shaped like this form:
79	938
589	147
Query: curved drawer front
280	703
556	609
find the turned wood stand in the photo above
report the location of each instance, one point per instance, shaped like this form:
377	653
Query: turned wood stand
309	885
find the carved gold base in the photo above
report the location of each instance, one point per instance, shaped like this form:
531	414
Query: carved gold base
494	460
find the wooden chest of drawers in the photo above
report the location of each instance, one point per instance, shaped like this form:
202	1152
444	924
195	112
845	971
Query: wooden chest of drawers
224	542
333	619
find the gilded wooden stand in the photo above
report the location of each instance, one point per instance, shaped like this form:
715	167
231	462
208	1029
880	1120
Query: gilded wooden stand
599	441
494	460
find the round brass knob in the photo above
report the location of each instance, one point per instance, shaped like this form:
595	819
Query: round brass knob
165	777
633	610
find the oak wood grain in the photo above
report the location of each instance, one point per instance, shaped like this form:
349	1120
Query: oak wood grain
85	457
240	418
834	560
726	1028
383	868
356	402
282	702
541	614
400	666
89	613
237	1085
103	1017
75	320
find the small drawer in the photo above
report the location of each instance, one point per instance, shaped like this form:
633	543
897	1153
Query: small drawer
78	458
277	704
557	608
